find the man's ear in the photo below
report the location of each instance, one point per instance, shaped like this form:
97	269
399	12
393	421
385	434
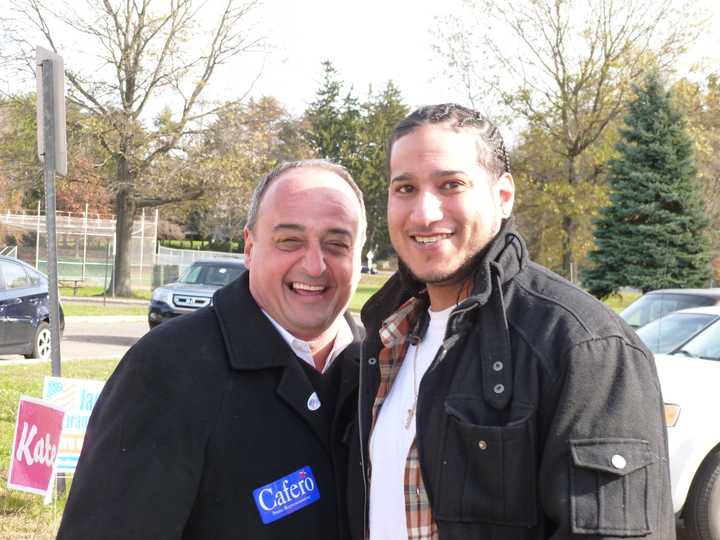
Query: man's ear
248	237
505	190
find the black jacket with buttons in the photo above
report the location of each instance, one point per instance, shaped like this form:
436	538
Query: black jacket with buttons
201	412
540	417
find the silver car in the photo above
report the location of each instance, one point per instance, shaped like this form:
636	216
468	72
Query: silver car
194	289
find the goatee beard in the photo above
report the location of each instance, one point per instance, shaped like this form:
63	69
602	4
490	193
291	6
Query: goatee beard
462	276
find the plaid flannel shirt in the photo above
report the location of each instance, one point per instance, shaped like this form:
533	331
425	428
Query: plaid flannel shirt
393	334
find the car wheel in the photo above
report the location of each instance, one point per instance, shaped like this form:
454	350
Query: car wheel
702	508
41	343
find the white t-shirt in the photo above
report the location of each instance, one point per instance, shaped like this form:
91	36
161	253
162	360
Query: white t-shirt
390	441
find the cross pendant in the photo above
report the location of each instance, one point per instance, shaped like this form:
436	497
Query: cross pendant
411	413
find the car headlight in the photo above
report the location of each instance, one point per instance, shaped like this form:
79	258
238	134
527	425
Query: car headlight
672	413
162	295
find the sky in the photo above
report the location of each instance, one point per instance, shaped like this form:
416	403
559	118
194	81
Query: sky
372	41
368	41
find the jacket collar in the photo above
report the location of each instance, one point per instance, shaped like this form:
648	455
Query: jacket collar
506	255
250	338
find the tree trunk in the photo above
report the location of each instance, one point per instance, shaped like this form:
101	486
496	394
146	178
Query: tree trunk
569	226
125	214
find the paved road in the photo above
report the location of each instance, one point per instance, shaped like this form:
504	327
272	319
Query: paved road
94	338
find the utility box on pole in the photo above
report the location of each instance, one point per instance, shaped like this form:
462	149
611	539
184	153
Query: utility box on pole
52	150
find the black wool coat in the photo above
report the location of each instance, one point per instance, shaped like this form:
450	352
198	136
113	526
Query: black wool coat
540	418
199	414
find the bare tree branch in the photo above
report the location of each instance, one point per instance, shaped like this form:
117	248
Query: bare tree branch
563	67
144	54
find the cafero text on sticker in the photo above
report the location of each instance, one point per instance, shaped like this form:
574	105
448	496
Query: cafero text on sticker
286	495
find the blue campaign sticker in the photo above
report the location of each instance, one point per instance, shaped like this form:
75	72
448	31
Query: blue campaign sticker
286	495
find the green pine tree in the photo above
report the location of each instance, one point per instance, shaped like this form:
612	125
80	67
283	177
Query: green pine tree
381	112
354	134
652	233
333	121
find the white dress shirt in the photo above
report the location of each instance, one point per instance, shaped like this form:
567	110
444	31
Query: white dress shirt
301	348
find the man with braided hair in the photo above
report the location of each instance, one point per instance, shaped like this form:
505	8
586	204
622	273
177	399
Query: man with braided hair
497	400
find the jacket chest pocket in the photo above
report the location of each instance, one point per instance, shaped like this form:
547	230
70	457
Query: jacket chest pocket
487	472
611	491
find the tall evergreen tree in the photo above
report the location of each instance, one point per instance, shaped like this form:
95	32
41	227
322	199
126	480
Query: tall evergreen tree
333	120
652	233
381	112
353	134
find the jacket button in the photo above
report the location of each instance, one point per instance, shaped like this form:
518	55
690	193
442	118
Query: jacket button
482	445
372	361
497	366
499	388
618	461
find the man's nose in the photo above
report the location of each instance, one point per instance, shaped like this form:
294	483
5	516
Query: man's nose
314	260
428	209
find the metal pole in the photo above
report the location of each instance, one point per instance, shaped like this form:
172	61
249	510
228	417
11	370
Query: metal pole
107	263
155	232
114	248
142	242
37	240
85	229
49	168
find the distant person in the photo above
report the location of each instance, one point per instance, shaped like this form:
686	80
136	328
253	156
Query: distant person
370	256
222	423
497	400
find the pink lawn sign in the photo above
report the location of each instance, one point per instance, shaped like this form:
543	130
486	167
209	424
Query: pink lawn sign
37	434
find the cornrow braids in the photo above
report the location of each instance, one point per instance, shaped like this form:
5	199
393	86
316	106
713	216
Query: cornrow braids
491	148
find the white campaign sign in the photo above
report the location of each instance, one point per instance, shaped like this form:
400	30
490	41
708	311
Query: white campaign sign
77	397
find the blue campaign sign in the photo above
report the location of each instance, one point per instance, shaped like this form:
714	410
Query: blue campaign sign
286	495
77	397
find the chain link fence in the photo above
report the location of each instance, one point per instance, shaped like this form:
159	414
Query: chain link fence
170	263
86	246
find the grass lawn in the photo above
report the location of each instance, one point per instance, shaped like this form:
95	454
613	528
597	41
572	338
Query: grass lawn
73	309
141	294
23	515
369	284
622	300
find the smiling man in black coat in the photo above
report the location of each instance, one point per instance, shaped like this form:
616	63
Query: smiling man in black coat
222	423
497	400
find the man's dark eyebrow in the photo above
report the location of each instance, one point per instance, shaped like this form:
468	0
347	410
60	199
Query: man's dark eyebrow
442	174
342	232
436	174
300	228
291	226
402	178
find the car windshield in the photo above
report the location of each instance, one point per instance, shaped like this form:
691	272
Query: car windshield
653	306
668	333
705	345
211	274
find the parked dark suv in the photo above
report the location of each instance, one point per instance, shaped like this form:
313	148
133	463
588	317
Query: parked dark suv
24	312
656	304
193	290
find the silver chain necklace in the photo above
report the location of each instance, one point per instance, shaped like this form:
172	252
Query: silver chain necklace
411	411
